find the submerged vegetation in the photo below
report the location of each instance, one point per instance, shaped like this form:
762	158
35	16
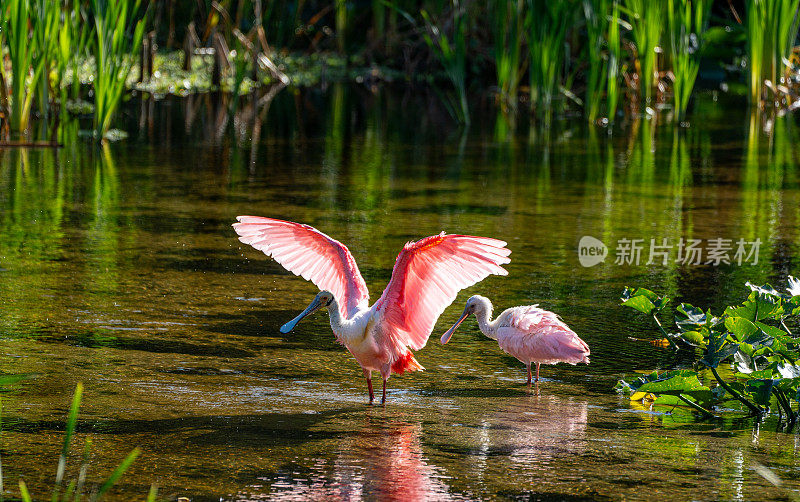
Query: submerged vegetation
588	56
74	490
753	338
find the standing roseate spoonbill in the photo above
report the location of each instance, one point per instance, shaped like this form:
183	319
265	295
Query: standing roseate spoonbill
530	334
426	277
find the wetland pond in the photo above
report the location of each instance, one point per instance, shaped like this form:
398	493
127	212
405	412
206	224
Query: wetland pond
119	269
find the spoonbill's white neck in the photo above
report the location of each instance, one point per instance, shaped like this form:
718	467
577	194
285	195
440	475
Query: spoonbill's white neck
346	329
483	313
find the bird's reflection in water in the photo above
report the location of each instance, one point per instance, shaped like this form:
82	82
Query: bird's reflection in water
382	461
395	467
532	431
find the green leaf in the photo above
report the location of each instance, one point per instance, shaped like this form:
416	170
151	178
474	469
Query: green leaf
744	362
760	390
789	371
740	327
767	373
688	317
792	306
718	349
772	331
683	383
630	293
790	386
643	300
758	306
640	303
768	290
694	338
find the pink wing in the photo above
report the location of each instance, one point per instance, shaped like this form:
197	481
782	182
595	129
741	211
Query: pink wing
426	278
537	335
307	252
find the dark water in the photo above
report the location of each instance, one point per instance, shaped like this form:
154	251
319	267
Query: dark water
119	269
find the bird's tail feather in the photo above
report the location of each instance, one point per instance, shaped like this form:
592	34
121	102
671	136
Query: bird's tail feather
406	363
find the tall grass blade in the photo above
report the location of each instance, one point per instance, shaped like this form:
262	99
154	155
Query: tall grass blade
118	472
686	21
646	19
508	31
87	447
546	26
771	31
113	52
72	421
614	58
152	495
598	17
23	490
26	67
452	55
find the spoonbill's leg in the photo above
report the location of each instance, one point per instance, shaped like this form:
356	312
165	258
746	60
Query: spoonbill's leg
386	372
528	365
368	376
537	372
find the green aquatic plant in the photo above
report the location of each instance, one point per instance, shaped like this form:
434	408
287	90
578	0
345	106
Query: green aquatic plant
112	50
771	31
546	25
687	21
508	34
342	16
614	60
74	490
603	51
46	34
17	19
753	337
452	55
646	19
73	39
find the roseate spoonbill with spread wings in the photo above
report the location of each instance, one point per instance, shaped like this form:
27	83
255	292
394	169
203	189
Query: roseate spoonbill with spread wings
426	277
530	334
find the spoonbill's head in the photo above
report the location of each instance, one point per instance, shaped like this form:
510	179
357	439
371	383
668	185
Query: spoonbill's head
322	300
475	304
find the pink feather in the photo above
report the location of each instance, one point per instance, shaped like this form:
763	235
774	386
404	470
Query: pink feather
536	335
426	277
307	252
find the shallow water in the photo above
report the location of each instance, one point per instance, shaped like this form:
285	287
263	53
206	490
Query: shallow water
119	269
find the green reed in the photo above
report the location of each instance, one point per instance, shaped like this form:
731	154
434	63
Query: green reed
73	39
614	59
686	22
342	21
646	19
451	55
27	65
73	492
771	31
598	14
46	30
546	25
112	52
508	32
